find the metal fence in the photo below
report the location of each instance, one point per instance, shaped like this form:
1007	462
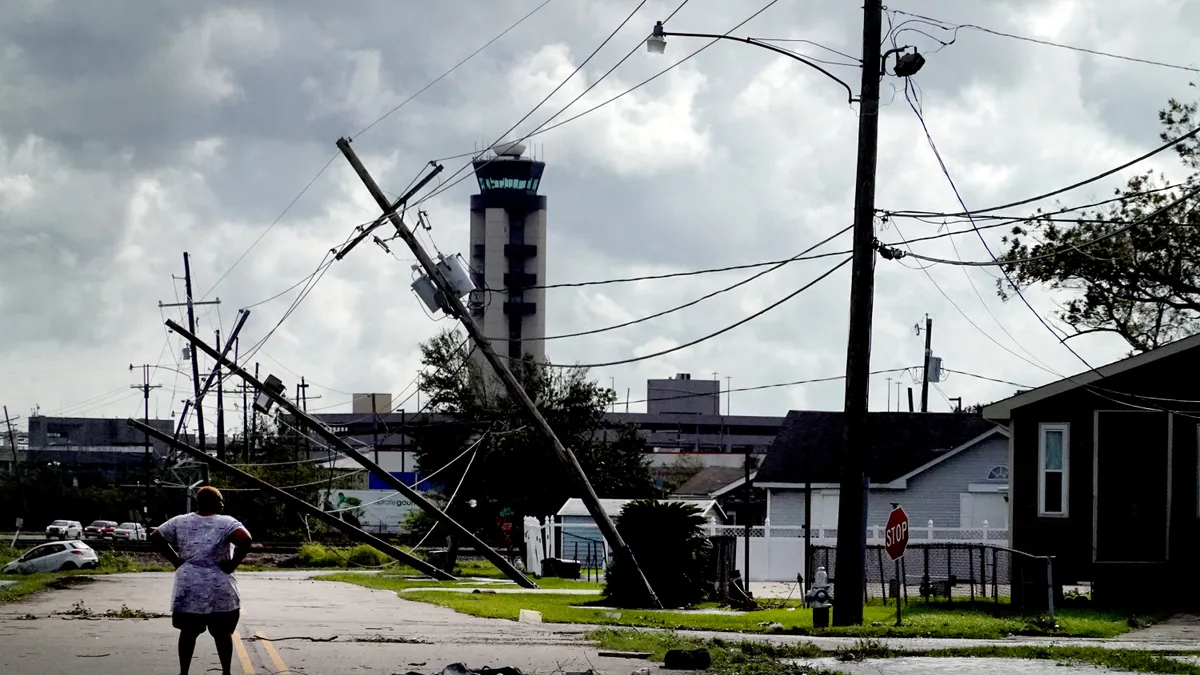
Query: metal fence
943	572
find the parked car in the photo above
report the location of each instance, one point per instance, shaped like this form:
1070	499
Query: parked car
99	529
130	532
54	557
64	529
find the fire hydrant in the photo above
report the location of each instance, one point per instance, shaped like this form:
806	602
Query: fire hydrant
820	598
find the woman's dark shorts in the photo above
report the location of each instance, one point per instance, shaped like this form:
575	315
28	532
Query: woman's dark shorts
216	623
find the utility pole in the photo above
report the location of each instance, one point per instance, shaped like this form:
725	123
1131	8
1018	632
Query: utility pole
237	343
220	404
254	418
145	387
455	308
191	315
852	531
12	442
889	389
728	394
302	394
746	526
928	358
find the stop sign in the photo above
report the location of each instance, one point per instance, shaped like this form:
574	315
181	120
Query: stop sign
895	535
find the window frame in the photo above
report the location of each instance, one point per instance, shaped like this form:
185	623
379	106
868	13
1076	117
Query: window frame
1007	474
1065	430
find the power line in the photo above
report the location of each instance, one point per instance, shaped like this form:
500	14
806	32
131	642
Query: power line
271	226
896	254
691	303
1169	144
714	334
540	131
455	67
529	114
947	25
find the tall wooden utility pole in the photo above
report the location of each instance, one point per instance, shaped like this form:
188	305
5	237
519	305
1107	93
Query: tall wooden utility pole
851	550
145	388
12	442
459	311
245	413
191	316
220	404
928	359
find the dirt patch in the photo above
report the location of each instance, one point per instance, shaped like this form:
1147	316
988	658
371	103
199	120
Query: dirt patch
67	583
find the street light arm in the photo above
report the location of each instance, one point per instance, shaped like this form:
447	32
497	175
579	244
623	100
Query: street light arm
771	47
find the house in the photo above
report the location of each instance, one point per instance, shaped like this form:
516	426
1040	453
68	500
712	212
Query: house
948	468
1104	475
724	484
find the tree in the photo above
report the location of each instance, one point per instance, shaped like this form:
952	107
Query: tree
282	458
512	470
1142	284
668	541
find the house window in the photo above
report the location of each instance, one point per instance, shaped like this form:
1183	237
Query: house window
1053	467
998	474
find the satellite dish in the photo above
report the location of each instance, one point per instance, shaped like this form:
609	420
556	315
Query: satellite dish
509	149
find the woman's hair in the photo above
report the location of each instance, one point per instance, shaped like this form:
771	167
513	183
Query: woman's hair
209	499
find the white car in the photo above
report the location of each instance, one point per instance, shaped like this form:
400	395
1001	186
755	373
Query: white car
130	532
55	557
64	529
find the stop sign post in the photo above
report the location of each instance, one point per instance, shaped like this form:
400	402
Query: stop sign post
895	541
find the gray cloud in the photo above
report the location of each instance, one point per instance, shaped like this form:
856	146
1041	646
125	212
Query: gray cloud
132	133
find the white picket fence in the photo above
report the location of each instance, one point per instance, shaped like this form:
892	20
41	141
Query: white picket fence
776	552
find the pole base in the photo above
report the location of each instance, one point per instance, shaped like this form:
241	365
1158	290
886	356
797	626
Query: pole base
820	617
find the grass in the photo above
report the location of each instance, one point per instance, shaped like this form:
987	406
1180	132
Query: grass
760	658
919	620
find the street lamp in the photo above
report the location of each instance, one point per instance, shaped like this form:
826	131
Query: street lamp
852	530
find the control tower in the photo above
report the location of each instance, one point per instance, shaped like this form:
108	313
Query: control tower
508	251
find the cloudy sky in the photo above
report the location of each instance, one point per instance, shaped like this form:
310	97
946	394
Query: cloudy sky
131	132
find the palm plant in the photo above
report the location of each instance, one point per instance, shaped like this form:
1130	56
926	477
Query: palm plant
668	540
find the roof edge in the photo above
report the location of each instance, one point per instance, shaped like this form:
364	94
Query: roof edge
1001	411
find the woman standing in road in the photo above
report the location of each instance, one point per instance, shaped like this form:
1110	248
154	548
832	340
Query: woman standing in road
206	595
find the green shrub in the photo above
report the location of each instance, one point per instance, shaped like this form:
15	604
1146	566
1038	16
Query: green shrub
365	556
117	562
316	555
668	540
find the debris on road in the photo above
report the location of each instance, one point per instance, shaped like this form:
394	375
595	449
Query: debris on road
687	659
625	655
529	616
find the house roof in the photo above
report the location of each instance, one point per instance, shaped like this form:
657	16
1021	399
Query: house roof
574	507
1001	411
710	480
901	444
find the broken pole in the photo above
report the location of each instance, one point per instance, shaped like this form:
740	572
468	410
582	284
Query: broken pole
345	448
330	519
459	311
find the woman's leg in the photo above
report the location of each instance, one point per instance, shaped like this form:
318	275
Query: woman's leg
221	627
224	651
187	646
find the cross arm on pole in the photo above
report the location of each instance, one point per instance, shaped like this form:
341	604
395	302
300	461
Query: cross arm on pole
328	518
345	448
243	314
164	305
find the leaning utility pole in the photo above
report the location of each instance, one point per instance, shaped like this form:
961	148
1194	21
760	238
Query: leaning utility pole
304	419
12	441
145	388
301	505
191	315
928	358
455	307
852	531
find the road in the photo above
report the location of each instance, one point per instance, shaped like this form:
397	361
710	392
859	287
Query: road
375	632
294	624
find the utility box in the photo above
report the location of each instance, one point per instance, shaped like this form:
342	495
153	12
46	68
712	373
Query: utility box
935	369
457	276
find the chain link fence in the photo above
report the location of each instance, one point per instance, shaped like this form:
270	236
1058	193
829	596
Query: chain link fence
945	572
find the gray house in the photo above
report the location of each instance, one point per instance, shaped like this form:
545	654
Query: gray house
948	468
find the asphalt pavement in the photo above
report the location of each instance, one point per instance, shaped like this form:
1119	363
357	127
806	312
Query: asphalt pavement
118	625
290	623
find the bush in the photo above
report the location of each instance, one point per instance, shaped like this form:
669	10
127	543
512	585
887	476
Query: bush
366	556
316	555
668	540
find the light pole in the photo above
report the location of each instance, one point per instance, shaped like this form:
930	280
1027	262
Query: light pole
852	530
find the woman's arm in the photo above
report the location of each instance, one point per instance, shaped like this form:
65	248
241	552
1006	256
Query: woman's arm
241	546
164	547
